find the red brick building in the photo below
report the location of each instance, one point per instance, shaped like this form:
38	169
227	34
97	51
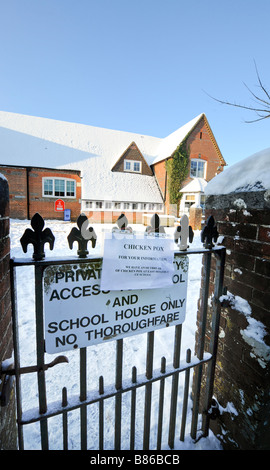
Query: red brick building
100	172
206	161
33	189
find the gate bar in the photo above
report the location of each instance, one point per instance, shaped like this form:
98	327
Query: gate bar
148	389
83	394
40	344
220	266
198	372
185	399
15	330
133	409
175	380
118	397
161	402
65	420
101	413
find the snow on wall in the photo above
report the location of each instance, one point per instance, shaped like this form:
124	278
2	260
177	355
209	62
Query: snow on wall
255	331
250	174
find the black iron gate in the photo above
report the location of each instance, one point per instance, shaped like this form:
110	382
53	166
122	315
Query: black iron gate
65	404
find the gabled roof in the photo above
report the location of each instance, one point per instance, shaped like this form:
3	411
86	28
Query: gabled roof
168	145
134	153
34	141
31	140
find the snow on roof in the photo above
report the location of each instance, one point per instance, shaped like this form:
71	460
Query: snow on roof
169	144
56	142
197	185
250	174
114	186
34	141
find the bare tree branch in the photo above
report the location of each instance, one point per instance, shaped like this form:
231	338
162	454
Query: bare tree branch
263	113
261	85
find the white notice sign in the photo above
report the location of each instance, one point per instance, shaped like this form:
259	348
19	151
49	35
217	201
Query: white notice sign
78	313
132	263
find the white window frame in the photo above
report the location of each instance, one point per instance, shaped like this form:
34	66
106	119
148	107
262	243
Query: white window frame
53	179
197	160
131	164
126	206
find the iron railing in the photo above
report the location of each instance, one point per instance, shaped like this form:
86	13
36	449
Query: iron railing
66	403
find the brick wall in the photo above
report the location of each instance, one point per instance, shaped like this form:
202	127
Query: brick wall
108	217
45	205
17	190
200	141
23	206
8	439
242	379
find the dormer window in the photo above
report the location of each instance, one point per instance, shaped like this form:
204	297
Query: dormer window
133	166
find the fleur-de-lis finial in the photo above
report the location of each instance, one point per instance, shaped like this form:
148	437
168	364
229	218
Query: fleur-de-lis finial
209	233
82	235
155	226
183	233
122	224
38	237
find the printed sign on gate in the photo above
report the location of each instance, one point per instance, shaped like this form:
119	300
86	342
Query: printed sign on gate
77	313
130	263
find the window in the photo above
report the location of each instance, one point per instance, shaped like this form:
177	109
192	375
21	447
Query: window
70	188
59	187
48	187
197	168
134	206
126	205
88	204
98	204
189	201
137	166
108	205
132	165
117	205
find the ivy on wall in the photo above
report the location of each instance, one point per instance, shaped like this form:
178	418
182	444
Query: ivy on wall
177	169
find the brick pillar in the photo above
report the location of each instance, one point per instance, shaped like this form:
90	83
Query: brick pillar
242	379
8	439
195	217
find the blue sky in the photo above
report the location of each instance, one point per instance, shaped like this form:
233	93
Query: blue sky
143	66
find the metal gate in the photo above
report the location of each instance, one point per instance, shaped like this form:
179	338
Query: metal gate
65	404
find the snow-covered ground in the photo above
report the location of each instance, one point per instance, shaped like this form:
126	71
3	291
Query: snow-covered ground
101	359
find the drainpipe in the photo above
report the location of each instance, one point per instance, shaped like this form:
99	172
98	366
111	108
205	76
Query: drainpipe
28	169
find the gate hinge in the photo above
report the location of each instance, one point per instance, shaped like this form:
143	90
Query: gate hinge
7	385
213	411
